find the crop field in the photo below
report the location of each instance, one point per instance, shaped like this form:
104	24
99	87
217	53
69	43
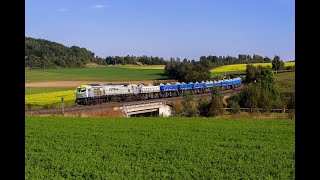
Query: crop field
158	148
93	74
241	68
50	98
144	67
286	81
38	90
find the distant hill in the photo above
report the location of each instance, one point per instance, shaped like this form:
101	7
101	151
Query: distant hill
41	53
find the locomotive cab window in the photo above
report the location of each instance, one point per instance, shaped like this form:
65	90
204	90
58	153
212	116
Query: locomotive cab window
81	90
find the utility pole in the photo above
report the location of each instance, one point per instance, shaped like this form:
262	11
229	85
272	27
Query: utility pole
62	100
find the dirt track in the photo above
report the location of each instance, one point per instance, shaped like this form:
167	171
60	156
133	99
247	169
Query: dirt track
77	83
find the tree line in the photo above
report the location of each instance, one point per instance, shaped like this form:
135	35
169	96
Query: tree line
216	61
41	53
145	60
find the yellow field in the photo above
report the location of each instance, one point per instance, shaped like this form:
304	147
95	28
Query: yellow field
242	67
50	98
143	67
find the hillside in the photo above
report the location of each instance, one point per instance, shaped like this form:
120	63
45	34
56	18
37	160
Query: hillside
41	53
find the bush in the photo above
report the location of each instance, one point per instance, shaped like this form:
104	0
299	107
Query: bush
249	97
203	107
235	106
215	106
190	105
288	98
177	108
264	101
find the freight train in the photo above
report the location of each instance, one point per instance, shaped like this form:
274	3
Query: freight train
100	93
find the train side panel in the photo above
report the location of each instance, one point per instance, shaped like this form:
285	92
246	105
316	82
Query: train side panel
149	89
110	90
167	88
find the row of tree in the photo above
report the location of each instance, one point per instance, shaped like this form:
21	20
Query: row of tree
216	61
188	71
123	60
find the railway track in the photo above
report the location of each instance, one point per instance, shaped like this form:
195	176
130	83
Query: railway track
99	107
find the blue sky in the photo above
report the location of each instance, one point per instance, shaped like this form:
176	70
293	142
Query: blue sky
167	28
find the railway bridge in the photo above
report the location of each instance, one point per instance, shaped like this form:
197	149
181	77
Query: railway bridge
163	107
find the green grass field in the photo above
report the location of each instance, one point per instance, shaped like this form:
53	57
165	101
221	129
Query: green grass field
159	148
286	81
241	68
93	74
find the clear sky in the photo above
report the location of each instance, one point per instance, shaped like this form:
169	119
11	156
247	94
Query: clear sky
167	28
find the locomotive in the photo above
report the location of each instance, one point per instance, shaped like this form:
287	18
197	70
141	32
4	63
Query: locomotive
100	93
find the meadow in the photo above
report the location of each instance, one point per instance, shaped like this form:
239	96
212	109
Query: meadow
286	81
159	148
241	68
93	74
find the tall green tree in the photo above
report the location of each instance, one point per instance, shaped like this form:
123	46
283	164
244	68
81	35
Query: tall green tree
267	81
262	92
277	64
